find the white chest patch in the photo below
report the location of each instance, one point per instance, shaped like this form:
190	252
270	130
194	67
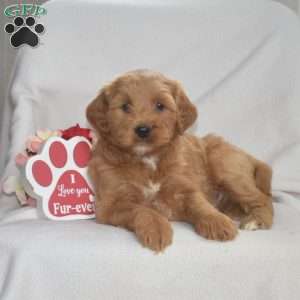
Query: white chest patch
151	190
151	162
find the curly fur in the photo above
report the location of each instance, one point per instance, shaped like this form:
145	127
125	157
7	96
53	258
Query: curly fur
143	184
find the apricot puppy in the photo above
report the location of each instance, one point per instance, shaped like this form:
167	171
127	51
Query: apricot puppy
147	171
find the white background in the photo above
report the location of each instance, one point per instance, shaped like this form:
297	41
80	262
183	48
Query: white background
7	53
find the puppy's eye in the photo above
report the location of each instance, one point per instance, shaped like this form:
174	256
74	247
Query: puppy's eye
126	107
159	106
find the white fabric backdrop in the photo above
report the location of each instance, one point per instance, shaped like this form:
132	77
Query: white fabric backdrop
7	56
293	4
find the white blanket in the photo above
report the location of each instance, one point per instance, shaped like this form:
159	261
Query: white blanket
240	64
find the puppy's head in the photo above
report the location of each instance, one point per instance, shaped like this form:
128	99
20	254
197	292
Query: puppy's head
141	111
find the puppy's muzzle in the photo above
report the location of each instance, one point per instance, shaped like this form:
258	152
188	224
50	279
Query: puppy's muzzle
142	131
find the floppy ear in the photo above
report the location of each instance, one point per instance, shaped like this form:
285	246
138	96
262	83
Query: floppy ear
96	113
186	110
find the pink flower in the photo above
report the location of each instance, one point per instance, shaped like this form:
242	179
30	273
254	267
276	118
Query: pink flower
21	159
33	144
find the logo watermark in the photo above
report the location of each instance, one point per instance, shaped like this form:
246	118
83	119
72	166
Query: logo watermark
24	10
24	30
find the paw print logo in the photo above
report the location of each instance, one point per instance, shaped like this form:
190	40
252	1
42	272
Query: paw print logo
24	31
58	176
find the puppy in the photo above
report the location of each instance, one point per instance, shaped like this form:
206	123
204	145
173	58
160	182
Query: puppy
147	171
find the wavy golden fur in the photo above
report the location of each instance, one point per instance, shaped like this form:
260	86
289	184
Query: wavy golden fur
147	171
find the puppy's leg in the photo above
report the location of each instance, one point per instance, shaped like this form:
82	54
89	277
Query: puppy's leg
260	216
191	205
152	229
246	180
123	209
208	221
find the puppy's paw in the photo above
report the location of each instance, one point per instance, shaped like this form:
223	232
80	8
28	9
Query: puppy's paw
251	224
153	231
216	227
260	218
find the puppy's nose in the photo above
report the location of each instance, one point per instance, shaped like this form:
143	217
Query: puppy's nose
143	131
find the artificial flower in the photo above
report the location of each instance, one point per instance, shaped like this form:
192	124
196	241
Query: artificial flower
13	185
21	159
33	143
76	131
46	134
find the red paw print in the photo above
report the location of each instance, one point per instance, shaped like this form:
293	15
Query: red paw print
58	175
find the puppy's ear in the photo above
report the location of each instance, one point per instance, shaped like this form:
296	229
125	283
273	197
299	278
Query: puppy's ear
96	113
186	110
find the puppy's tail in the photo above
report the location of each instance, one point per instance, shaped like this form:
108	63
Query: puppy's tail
263	177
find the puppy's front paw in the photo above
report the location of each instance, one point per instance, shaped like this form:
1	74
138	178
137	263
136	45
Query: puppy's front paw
216	227
153	231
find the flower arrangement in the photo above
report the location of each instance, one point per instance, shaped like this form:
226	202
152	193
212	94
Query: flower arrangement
33	144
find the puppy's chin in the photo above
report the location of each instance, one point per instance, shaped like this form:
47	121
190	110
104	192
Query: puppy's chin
151	146
142	149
